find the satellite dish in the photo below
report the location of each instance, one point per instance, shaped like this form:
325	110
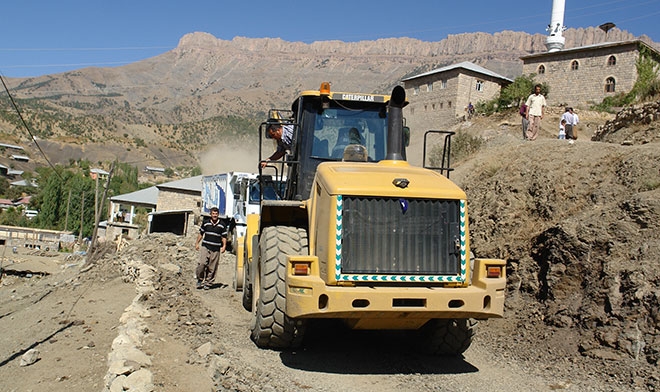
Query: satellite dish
607	26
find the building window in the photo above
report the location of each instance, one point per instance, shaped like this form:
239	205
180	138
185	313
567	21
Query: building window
429	87
425	107
480	85
574	65
443	84
442	104
449	104
416	90
433	106
541	69
610	85
611	60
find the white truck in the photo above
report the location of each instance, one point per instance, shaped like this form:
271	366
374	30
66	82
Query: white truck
236	194
230	192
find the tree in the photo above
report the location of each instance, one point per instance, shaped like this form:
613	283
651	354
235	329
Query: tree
53	198
512	95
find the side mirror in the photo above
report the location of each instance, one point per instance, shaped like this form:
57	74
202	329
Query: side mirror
406	136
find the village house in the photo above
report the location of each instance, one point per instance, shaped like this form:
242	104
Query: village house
439	98
585	75
179	203
173	207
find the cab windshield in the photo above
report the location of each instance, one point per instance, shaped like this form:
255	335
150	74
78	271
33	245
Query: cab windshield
338	126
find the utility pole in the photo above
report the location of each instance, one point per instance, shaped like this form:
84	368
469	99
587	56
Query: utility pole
96	200
66	219
92	245
82	215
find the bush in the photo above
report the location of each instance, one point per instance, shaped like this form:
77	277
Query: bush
512	95
462	147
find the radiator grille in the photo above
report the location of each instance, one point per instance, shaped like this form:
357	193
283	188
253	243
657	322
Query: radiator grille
387	236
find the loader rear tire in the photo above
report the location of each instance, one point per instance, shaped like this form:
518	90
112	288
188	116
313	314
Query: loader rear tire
447	337
271	327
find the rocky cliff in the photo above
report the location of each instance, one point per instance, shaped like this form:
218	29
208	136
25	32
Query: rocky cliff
193	93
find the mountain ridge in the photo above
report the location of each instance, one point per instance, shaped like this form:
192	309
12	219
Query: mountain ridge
207	89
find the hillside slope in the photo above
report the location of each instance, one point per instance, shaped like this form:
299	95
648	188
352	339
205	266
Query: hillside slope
578	225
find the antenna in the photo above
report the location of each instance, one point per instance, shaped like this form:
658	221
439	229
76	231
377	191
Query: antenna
607	27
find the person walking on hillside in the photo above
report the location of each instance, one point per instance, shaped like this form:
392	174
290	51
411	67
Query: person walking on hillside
576	120
535	110
213	238
283	134
525	121
568	117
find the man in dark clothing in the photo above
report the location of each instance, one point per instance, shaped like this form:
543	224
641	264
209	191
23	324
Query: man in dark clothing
213	238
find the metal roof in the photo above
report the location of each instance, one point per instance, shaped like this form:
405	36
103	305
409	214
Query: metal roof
464	65
591	47
23	183
193	184
11	146
151	168
99	171
147	197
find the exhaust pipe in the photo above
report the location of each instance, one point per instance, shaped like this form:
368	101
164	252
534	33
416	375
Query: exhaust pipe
395	124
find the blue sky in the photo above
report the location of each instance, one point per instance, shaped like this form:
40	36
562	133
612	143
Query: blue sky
45	36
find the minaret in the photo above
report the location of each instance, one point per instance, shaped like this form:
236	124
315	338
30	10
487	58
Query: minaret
555	40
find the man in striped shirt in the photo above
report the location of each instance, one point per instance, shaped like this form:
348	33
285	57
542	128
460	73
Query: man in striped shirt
213	238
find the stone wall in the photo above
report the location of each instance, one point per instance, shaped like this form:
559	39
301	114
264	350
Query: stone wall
639	114
178	200
585	85
181	200
440	108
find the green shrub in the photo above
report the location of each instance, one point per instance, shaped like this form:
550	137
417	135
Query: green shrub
463	146
512	95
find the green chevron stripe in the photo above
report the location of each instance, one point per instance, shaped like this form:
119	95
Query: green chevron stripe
397	278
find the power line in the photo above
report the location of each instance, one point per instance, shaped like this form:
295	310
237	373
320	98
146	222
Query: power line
34	139
81	49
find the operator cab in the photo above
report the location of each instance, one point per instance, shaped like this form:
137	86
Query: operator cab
331	126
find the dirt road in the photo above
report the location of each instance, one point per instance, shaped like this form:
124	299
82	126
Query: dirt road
198	340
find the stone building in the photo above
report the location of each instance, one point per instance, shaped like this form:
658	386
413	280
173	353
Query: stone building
439	98
585	75
175	206
179	204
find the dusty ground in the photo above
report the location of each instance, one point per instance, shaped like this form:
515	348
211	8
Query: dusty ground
577	224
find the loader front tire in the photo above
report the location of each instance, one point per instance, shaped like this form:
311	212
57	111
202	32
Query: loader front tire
271	327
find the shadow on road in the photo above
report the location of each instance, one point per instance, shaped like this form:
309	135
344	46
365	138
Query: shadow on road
329	347
33	345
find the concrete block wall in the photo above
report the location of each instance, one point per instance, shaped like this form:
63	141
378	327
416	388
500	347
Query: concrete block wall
584	86
441	108
179	200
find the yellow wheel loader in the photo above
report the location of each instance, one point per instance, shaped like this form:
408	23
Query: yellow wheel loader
359	235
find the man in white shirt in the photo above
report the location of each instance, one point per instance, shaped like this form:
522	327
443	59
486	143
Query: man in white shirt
535	110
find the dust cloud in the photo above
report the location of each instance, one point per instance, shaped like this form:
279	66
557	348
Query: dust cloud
226	158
